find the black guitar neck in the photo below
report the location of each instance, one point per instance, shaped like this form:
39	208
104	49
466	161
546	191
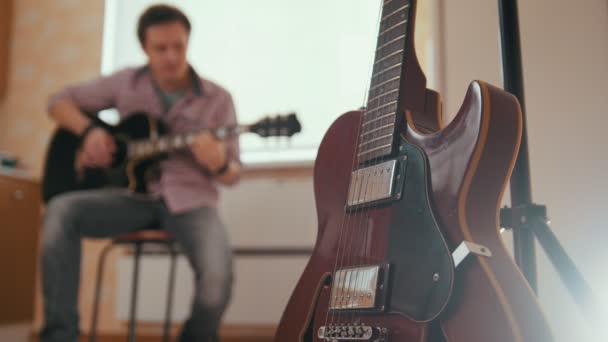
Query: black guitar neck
157	144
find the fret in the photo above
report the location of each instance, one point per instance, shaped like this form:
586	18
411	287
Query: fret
378	119
394	5
362	153
378	122
388	56
389	107
385	82
392	93
395	12
387	69
391	28
391	59
378	130
378	143
367	142
389	43
381	114
387	66
387	97
394	19
378	108
391	85
377	138
386	75
391	32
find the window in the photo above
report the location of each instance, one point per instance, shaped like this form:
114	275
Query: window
275	56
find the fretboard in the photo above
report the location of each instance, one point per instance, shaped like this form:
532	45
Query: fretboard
173	142
378	126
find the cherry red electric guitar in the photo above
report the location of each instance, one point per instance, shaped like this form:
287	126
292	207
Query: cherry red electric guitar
408	246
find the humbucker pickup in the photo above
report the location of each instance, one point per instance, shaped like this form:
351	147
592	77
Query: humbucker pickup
359	288
376	184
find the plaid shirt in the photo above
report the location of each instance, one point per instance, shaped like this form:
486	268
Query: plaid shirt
182	182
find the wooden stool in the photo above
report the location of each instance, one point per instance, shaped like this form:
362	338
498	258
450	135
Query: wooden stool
137	240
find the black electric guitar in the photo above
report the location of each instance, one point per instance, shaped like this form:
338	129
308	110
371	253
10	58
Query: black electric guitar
141	141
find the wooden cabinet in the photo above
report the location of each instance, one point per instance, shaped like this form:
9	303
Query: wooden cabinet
19	234
6	13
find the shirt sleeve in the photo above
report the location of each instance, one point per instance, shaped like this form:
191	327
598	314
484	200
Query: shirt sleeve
94	95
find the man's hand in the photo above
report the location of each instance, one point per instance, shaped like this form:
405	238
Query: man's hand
209	151
97	149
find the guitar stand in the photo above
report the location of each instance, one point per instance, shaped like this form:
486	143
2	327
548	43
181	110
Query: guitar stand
526	219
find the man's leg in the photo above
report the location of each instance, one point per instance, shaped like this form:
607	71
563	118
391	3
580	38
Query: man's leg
204	240
68	218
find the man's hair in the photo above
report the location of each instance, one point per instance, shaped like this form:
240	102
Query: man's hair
160	14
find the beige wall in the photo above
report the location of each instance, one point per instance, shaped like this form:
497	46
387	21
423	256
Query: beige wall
53	43
565	60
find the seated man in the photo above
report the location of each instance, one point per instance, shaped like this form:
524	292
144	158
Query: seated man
182	198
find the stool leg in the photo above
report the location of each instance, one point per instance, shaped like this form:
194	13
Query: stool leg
134	283
100	266
170	290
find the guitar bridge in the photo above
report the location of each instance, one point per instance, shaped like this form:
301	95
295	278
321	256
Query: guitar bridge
351	332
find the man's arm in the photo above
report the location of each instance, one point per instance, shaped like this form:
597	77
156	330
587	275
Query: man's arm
66	108
220	156
217	158
67	115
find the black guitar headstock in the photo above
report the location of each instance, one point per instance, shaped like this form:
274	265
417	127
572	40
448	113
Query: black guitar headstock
280	125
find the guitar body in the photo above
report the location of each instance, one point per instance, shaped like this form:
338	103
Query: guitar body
471	162
454	179
60	174
403	235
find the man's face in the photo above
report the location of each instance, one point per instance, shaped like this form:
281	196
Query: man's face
166	45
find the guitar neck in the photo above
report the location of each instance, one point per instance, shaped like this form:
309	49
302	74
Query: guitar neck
174	142
380	122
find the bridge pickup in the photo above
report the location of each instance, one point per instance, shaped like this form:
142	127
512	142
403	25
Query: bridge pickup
359	288
376	184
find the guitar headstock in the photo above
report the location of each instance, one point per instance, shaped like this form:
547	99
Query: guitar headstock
277	126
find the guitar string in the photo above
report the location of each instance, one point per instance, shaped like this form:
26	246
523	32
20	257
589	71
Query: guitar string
367	228
346	284
338	284
358	248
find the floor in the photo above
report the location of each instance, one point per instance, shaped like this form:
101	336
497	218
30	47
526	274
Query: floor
15	332
20	332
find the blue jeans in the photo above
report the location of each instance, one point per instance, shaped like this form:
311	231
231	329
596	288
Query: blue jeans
109	212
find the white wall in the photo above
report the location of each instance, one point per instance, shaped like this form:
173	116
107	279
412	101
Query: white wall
565	60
